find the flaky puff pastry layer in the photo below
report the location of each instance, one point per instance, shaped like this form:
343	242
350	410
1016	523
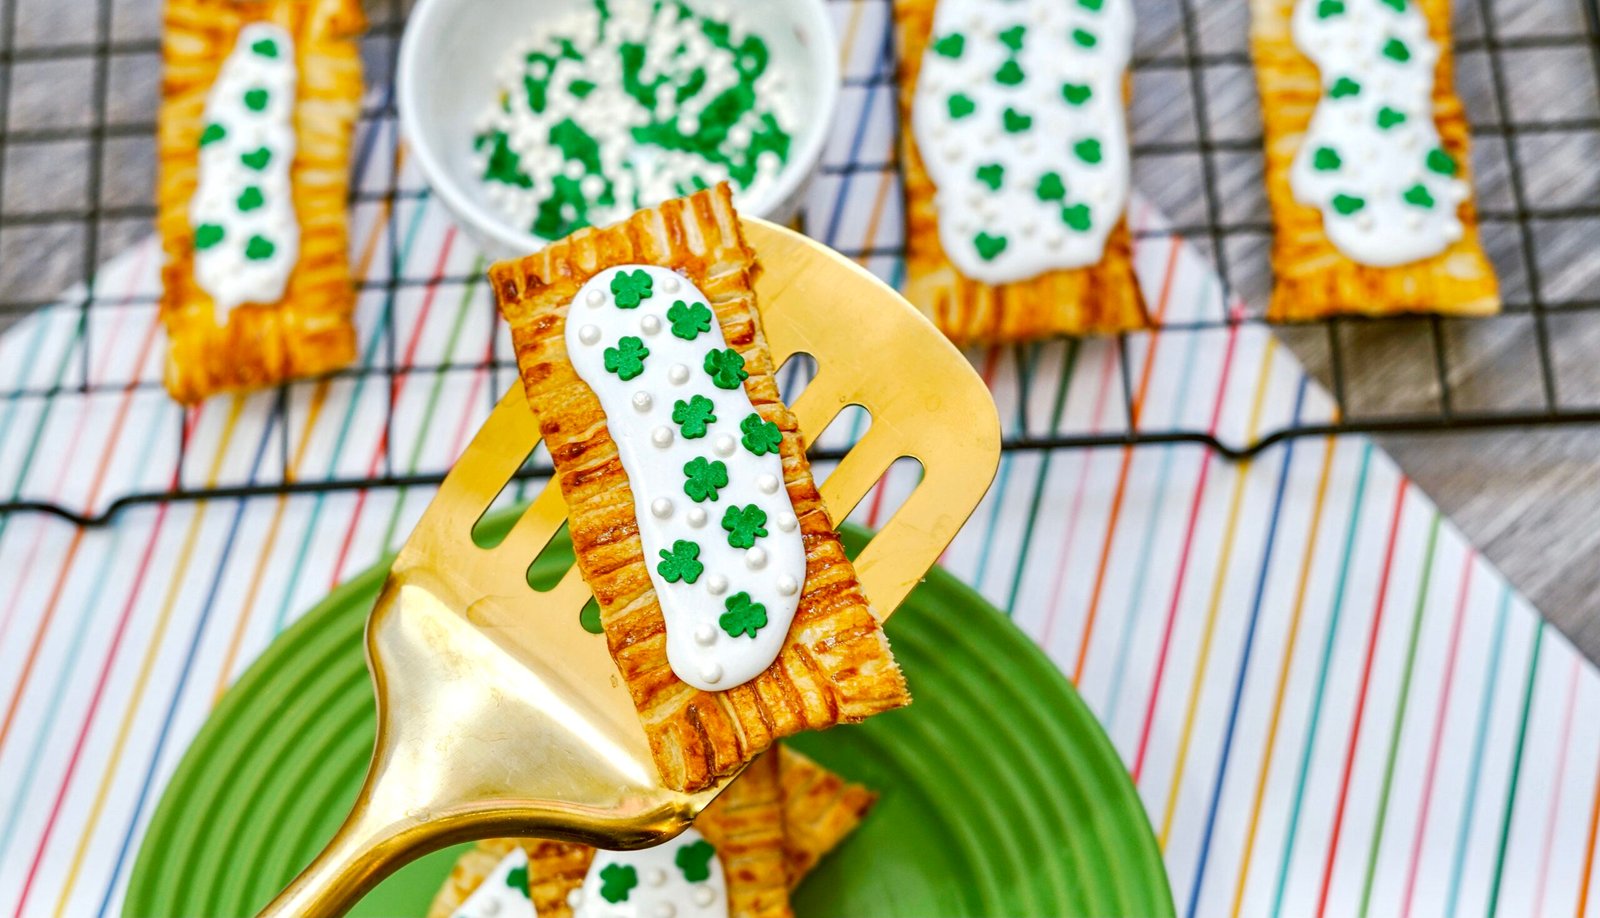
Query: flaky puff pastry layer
782	799
1099	299
309	330
835	665
1313	278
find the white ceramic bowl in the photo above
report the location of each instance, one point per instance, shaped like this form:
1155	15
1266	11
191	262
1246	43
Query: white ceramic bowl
446	77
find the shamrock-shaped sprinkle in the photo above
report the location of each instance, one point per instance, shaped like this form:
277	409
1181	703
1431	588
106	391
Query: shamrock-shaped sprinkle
694	859
992	175
1441	162
207	235
517	879
743	616
212	134
961	105
760	437
1076	93
1009	74
265	47
1092	6
681	563
627	358
1347	204
1012	37
1389	117
693	415
1084	38
616	881
989	247
1344	86
726	368
255	99
744	525
1076	216
1015	122
256	159
250	198
631	288
1050	187
1329	8
951	45
1418	195
702	479
1395	50
259	248
689	319
1399	6
1326	159
1088	150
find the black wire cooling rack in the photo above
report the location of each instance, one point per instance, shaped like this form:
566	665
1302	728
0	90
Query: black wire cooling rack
1529	71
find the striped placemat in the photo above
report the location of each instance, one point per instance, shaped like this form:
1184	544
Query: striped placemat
1329	702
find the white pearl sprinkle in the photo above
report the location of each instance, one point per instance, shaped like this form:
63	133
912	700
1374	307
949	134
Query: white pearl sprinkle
661	507
705	635
596	297
1364	221
492	907
650	324
1055	239
787	586
678	374
575	898
716	584
787	522
697	516
755	558
661	436
768	484
704	896
711	673
669	284
655	877
642	401
724	445
589	334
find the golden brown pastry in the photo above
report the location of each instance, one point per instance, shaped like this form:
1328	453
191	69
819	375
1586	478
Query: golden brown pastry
276	132
1394	228
819	810
1102	297
832	663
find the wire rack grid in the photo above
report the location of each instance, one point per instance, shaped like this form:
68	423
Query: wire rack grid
1529	71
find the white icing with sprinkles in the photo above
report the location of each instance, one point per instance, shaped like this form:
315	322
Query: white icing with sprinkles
503	893
998	77
720	566
680	879
246	235
1371	160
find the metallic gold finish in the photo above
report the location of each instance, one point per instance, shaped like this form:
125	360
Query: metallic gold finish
498	715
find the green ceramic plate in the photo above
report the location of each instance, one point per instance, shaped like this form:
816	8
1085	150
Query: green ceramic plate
1000	793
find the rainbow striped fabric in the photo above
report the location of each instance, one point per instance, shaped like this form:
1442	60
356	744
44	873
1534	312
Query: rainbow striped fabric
1329	702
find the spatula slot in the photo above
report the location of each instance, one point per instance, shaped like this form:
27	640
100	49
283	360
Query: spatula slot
515	491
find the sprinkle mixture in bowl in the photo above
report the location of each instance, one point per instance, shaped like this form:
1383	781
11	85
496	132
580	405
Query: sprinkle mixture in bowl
625	104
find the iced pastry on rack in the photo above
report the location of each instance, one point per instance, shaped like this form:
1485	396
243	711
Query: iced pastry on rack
741	858
259	101
1014	147
725	595
1366	161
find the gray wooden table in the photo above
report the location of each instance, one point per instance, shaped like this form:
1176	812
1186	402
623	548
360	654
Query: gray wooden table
1529	498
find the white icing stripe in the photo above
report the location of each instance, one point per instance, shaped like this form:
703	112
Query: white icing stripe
503	893
246	236
1018	117
680	879
1371	160
720	538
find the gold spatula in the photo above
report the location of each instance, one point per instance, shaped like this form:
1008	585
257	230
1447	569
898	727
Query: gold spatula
499	715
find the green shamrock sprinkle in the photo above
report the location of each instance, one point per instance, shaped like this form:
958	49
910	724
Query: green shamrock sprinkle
1050	187
631	288
1399	6
1076	216
250	198
992	175
961	105
1084	38
694	859
259	248
265	47
255	99
726	368
256	159
1441	162
1326	159
627	358
693	415
1009	74
951	45
207	235
689	319
702	478
1016	122
1418	196
681	563
743	616
517	879
1076	93
989	246
1012	37
1092	6
212	134
760	436
1088	150
1395	49
744	525
1389	117
1347	204
616	881
1344	86
580	88
1327	9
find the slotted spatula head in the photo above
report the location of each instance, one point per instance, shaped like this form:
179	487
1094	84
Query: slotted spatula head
499	715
